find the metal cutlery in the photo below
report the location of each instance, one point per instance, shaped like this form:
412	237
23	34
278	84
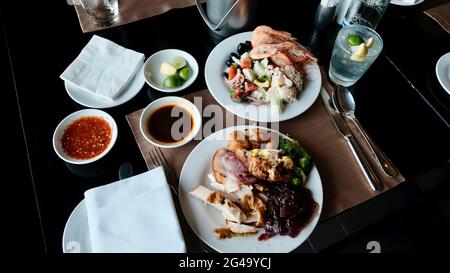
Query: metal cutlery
369	174
158	159
345	105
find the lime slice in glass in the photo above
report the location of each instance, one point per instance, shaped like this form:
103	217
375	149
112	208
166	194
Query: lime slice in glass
354	40
172	81
184	73
178	62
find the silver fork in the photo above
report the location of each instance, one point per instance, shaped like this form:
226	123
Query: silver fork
158	159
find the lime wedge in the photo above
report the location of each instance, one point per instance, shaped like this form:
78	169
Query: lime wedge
184	73
172	81
359	52
354	40
178	62
167	69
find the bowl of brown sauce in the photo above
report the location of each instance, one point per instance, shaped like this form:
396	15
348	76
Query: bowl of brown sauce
85	136
170	122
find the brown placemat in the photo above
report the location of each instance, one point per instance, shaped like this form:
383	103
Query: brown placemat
441	14
343	184
132	10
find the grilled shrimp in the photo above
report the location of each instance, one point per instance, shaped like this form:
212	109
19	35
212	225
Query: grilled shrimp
264	50
293	50
281	60
267	35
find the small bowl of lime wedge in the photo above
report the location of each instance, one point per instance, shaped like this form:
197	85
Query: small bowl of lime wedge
170	70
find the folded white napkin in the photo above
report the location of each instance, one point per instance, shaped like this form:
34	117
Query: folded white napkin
134	215
103	68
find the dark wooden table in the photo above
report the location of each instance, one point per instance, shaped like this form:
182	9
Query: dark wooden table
393	99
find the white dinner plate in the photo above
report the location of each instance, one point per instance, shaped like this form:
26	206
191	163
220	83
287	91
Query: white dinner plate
204	219
443	71
91	101
76	238
403	3
215	67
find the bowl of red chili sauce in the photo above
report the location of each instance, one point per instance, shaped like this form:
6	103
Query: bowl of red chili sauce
85	136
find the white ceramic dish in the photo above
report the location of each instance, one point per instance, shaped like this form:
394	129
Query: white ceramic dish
403	3
59	132
156	79
443	71
215	66
88	100
189	106
76	238
204	219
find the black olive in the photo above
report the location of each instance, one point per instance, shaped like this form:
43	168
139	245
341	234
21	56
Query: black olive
225	74
242	48
229	63
249	45
234	55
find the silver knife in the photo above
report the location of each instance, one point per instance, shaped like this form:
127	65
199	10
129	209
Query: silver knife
343	129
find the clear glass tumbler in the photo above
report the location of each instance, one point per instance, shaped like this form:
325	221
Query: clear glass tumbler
365	12
350	61
102	12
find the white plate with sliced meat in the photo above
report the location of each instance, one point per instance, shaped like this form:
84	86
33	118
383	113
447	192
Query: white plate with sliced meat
231	206
248	94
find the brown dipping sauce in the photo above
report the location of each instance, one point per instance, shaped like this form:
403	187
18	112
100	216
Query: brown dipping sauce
161	121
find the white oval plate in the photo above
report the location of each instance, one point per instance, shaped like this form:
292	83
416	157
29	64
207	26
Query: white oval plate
403	3
204	219
215	66
443	71
88	100
76	238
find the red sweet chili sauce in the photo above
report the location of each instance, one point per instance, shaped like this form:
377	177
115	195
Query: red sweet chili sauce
86	137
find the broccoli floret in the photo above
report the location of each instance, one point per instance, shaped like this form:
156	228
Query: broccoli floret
305	163
292	148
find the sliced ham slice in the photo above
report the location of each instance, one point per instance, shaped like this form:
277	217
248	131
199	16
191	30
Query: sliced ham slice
230	171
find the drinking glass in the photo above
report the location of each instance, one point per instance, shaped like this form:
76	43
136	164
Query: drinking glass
365	12
101	12
347	65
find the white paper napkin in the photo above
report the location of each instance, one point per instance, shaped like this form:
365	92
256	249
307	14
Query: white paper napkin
134	215
103	68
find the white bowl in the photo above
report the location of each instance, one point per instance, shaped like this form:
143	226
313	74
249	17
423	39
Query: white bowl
189	106
156	79
59	132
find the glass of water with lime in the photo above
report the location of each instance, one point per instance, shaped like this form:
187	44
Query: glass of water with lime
355	49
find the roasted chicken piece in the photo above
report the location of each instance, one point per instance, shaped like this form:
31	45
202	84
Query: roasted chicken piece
267	164
252	139
229	210
234	229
